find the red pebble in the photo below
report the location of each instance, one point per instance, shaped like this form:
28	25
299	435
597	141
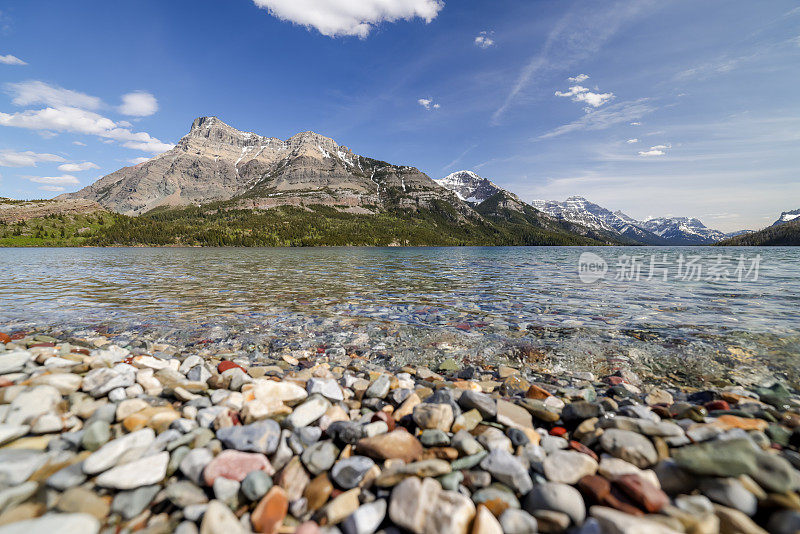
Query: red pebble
5	338
642	492
18	335
613	380
226	366
45	345
559	431
386	418
717	405
580	447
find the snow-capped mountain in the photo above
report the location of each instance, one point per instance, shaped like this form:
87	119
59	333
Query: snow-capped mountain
682	230
469	186
581	211
658	231
787	216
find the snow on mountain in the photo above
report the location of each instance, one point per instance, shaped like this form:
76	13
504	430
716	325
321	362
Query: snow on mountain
659	231
579	210
469	186
682	230
787	216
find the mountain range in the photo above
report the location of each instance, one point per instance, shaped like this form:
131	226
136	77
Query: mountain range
219	185
222	186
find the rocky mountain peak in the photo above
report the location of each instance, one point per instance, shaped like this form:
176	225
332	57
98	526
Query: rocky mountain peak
469	186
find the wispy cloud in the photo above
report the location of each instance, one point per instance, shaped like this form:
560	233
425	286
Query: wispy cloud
601	119
484	40
55	180
8	59
428	104
78	167
459	158
37	92
576	36
11	158
632	141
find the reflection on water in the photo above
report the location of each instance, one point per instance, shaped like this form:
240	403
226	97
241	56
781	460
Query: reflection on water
439	300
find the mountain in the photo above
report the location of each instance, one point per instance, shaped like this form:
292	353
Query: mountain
14	211
581	211
787	216
784	234
469	186
220	186
682	230
505	208
658	231
216	162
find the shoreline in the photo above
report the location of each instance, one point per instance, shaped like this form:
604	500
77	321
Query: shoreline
154	436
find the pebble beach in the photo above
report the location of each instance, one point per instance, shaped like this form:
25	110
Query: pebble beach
97	436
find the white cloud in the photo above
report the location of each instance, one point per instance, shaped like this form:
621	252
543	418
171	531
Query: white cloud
78	167
578	93
11	158
632	141
137	161
428	104
484	40
75	120
580	78
577	35
604	118
11	60
37	92
636	124
78	143
55	180
657	150
138	104
349	17
52	188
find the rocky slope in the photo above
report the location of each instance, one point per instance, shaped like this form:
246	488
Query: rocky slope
12	211
787	216
777	235
682	230
469	186
658	231
216	162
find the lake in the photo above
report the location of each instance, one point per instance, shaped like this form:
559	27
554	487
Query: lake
686	312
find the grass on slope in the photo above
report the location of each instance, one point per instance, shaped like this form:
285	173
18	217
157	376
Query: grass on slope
786	234
55	230
215	225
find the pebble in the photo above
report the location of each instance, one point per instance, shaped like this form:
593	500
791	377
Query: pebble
556	497
568	467
366	519
256	484
51	523
330	440
219	519
235	465
131	503
143	472
506	468
629	446
350	472
261	436
109	454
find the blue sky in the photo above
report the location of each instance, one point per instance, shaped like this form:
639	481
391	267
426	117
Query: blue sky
671	107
